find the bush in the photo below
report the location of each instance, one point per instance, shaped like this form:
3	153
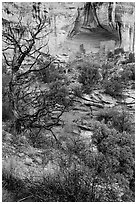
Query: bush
128	73
65	187
94	172
106	71
116	159
89	76
51	73
6	112
7	196
40	139
131	58
113	87
11	183
110	54
77	91
119	119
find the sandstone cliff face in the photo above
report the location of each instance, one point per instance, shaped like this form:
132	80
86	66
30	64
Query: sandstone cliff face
63	14
125	12
128	34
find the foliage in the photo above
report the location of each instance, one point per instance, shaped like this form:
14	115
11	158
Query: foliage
39	138
106	71
115	77
121	120
111	71
98	175
113	87
51	72
110	55
116	156
101	170
77	91
130	58
128	73
89	76
7	196
14	187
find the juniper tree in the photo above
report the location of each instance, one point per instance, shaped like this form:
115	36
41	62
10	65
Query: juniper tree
26	55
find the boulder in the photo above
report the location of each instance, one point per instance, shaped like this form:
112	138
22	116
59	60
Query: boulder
28	161
21	154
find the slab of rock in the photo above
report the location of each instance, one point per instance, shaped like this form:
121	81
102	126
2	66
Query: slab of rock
86	97
108	99
130	100
95	96
86	136
28	161
21	154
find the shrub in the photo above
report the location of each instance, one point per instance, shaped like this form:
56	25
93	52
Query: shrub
106	70
7	196
113	87
12	183
65	187
40	139
118	51
131	58
128	73
77	91
121	120
110	54
115	156
85	174
89	76
51	73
